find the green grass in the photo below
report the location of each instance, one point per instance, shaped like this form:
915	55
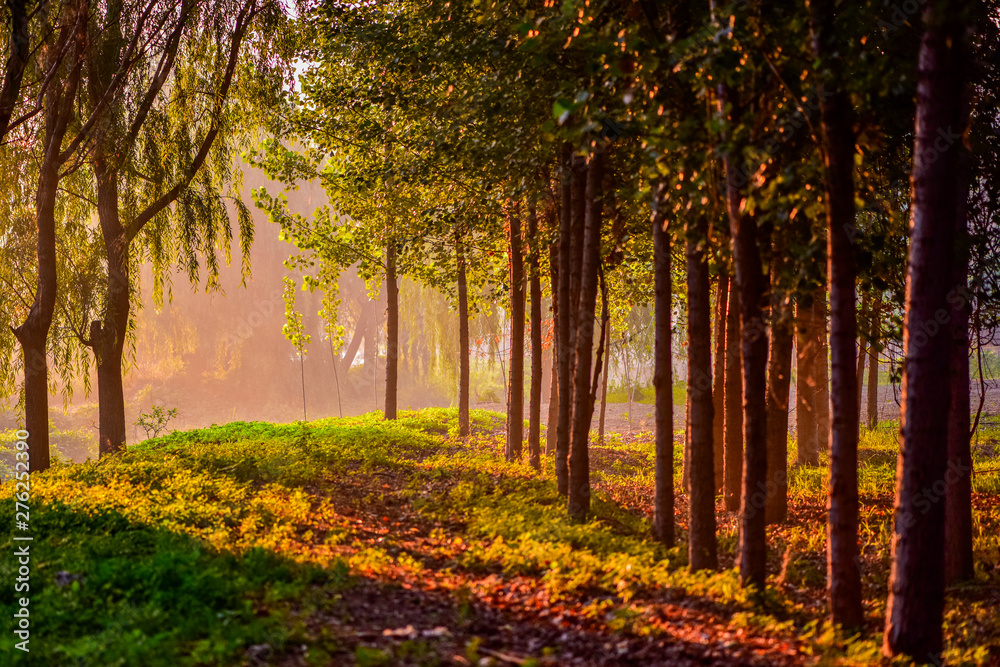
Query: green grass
190	548
645	395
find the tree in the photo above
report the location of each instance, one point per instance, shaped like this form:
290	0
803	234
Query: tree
663	503
515	387
719	377
122	149
535	288
779	375
701	541
63	63
733	461
843	575
916	585
583	408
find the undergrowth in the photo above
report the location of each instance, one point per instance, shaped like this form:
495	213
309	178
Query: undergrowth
196	547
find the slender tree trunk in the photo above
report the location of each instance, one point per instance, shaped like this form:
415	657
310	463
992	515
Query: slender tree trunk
843	574
370	367
551	431
733	464
535	399
958	559
862	352
33	333
360	329
873	343
822	395
567	325
751	285
915	608
719	386
663	502
391	333
463	340
806	349
779	375
751	282
579	473
701	536
108	337
515	391
604	381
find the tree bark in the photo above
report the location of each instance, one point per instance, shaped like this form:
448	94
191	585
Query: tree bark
751	284
515	378
733	464
463	340
663	502
701	452
873	343
33	333
604	382
566	328
806	349
391	333
551	221
360	330
915	608
821	403
779	375
843	574
107	337
535	397
719	386
958	559
862	351
579	473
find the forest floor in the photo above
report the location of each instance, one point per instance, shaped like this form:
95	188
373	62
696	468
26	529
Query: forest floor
358	541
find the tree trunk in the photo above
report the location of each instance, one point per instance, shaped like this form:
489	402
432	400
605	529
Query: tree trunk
108	337
604	381
719	386
806	349
567	327
958	560
915	608
535	398
751	286
583	408
391	332
551	431
663	502
701	453
33	333
463	340
360	330
779	375
751	283
579	473
733	464
370	367
862	351
843	574
822	395
873	343
515	379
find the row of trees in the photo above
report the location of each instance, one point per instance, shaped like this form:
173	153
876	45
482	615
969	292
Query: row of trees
120	131
624	152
